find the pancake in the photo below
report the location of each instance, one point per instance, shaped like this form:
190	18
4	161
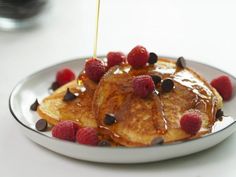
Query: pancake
54	109
140	121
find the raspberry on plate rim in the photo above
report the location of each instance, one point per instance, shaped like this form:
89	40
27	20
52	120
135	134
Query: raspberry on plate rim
87	136
224	86
64	76
65	130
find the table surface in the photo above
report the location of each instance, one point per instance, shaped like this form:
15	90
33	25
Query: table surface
199	30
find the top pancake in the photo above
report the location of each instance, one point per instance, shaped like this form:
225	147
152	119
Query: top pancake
139	121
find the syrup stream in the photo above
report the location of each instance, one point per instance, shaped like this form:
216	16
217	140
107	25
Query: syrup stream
97	27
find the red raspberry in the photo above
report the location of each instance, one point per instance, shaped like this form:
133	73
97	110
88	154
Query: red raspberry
143	85
115	58
224	86
64	76
95	69
65	130
138	57
87	136
191	122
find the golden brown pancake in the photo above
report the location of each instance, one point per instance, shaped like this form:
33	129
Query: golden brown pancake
139	120
54	109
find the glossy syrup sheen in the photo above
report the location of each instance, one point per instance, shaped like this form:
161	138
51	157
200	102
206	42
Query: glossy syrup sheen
185	77
202	98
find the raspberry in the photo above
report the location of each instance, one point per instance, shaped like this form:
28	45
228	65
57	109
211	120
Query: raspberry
143	85
224	86
191	122
138	57
87	136
115	58
64	76
65	130
95	69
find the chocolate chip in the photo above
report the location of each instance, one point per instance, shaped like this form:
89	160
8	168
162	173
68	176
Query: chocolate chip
54	86
109	119
34	106
167	85
219	115
104	143
41	125
157	141
156	79
152	58
69	96
181	62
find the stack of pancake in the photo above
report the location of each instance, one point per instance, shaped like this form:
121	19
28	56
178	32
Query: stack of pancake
139	121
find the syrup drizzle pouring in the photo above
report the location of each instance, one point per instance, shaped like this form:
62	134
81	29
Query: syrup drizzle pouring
80	79
97	29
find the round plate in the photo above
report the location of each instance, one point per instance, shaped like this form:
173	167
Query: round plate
36	86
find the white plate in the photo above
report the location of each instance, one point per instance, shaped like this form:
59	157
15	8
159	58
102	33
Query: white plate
36	86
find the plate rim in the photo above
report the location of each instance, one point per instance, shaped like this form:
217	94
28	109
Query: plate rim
10	100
